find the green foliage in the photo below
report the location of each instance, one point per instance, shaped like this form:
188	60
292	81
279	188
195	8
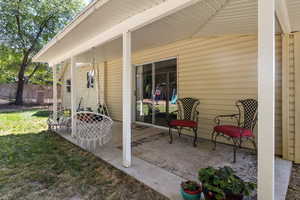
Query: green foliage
223	181
9	62
9	67
26	26
190	186
29	24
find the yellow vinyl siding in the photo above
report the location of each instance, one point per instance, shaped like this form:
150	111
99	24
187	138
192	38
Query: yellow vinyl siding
297	95
216	70
89	95
278	96
288	95
291	98
113	88
66	96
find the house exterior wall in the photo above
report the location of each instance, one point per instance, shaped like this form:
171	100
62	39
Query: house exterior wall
66	96
297	96
291	96
288	97
216	70
89	96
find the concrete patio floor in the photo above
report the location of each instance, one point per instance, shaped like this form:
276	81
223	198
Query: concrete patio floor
162	166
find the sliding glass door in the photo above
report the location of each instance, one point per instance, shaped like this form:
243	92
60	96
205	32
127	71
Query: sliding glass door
156	92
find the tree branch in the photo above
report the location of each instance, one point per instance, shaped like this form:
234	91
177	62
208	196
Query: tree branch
37	66
40	31
19	24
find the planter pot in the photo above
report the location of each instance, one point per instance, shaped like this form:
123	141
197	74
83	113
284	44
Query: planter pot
211	196
188	195
234	197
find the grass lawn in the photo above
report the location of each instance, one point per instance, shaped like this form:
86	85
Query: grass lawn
36	164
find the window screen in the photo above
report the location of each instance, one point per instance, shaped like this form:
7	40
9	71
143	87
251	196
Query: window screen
68	85
90	79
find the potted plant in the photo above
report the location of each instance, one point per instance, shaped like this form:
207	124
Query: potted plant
190	190
223	184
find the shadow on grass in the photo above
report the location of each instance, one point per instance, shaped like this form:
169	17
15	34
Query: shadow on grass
19	111
41	113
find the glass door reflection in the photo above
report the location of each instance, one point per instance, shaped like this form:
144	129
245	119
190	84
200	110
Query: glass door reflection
156	92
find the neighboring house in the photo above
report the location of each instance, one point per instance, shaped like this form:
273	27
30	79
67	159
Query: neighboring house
205	49
32	94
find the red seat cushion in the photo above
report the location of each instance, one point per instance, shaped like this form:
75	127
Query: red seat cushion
233	131
183	123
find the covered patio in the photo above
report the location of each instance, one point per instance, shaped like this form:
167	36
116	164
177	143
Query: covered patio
98	36
162	166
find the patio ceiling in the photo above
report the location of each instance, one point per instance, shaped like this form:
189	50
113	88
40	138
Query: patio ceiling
294	14
205	18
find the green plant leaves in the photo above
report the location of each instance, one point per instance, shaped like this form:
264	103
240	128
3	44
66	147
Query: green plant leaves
223	181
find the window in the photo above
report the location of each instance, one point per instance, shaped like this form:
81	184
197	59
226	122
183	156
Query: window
68	85
90	79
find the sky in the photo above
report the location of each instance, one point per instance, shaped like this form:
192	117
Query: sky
87	1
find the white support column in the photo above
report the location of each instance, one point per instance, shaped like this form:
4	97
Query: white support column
73	94
266	98
54	67
127	83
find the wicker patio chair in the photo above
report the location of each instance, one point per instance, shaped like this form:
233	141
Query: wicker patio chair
242	130
187	117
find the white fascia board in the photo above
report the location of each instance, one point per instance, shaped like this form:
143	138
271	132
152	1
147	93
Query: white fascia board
283	16
87	11
131	24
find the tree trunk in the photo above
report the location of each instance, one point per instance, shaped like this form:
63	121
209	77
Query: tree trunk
20	87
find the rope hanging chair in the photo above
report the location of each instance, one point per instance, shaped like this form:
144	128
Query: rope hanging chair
93	129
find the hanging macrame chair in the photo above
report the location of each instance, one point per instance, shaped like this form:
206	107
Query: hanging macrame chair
93	129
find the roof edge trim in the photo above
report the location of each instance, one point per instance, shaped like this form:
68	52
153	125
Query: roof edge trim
87	11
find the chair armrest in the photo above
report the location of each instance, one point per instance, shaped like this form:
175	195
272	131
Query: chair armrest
219	118
196	118
175	111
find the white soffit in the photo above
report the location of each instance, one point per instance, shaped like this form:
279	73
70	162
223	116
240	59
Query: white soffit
294	14
205	18
194	21
237	17
106	16
183	24
180	25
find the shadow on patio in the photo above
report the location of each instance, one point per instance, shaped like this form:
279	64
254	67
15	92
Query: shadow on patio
184	160
152	151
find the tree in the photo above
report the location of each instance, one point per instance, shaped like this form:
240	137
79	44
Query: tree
27	25
8	62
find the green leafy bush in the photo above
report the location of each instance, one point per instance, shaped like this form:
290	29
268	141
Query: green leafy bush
223	182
